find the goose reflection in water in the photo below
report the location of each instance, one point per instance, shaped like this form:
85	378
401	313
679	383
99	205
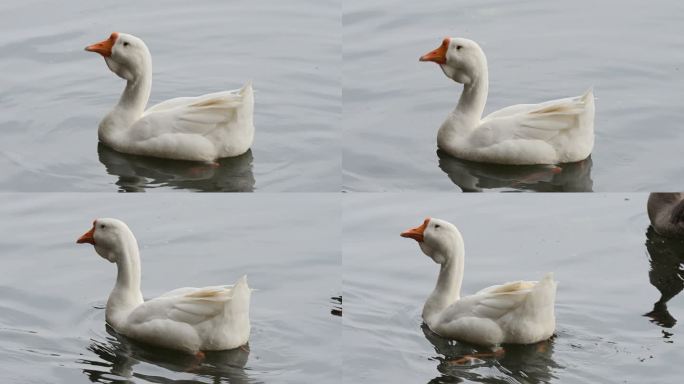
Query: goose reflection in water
524	363
476	177
666	274
136	173
118	356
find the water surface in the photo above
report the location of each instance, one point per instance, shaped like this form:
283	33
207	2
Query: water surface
54	93
53	291
630	52
617	303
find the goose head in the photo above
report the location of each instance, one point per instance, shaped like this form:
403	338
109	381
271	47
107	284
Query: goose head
111	237
126	55
438	239
461	60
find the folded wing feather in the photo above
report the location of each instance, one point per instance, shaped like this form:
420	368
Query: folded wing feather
192	115
185	305
498	300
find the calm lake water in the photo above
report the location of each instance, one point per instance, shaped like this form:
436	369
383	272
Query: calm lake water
611	272
54	94
631	52
53	291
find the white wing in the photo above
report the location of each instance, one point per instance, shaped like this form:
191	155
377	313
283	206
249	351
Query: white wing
187	290
534	121
190	305
496	301
189	115
492	302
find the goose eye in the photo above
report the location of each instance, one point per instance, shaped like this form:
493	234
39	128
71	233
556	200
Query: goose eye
102	225
125	44
436	226
458	47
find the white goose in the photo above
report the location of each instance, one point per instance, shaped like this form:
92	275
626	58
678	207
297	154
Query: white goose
520	312
557	131
187	319
203	128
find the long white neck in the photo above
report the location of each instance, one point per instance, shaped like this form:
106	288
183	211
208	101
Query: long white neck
137	93
472	102
126	294
467	115
130	107
448	288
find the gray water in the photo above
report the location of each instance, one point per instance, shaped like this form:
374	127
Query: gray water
609	278
53	291
631	52
54	93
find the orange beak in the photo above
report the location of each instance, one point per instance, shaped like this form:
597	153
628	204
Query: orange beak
104	47
88	236
439	54
417	232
